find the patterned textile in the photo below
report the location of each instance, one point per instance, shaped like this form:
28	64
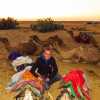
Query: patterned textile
28	78
23	83
78	80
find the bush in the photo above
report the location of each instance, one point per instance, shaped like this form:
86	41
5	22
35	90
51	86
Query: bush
46	25
8	23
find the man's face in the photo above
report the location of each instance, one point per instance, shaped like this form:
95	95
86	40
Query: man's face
47	54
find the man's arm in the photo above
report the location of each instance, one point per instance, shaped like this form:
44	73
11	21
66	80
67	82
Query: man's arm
35	68
54	68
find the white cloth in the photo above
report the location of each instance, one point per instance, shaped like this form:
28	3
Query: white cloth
21	60
17	77
28	95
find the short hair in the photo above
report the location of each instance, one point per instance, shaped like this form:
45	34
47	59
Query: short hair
47	48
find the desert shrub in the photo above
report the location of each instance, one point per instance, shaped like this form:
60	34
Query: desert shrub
93	22
89	22
46	25
8	23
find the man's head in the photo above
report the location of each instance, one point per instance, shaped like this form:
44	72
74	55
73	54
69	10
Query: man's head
47	53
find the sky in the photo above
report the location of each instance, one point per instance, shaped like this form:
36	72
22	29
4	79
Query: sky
56	9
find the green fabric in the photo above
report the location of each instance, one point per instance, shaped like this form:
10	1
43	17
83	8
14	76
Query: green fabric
69	85
73	94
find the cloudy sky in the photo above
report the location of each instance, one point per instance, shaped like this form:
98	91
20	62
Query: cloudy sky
58	9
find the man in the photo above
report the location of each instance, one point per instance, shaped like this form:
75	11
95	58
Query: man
46	66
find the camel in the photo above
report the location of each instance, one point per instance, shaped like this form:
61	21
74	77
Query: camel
78	54
81	54
84	37
53	41
33	46
26	48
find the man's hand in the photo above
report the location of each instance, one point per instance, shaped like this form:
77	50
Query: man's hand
47	79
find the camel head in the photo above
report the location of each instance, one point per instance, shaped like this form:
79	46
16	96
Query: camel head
71	33
59	41
4	40
34	37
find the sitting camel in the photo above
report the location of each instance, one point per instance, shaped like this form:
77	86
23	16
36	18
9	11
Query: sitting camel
34	46
81	54
24	48
84	37
53	41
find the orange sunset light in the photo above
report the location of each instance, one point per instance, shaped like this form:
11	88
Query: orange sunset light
58	9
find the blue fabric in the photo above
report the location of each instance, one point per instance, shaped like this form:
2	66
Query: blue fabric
13	55
49	83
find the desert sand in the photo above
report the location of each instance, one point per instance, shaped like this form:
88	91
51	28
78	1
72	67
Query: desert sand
21	35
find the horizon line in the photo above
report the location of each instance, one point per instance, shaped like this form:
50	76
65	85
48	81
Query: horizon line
76	18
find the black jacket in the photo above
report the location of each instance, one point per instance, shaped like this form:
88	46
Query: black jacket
46	68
